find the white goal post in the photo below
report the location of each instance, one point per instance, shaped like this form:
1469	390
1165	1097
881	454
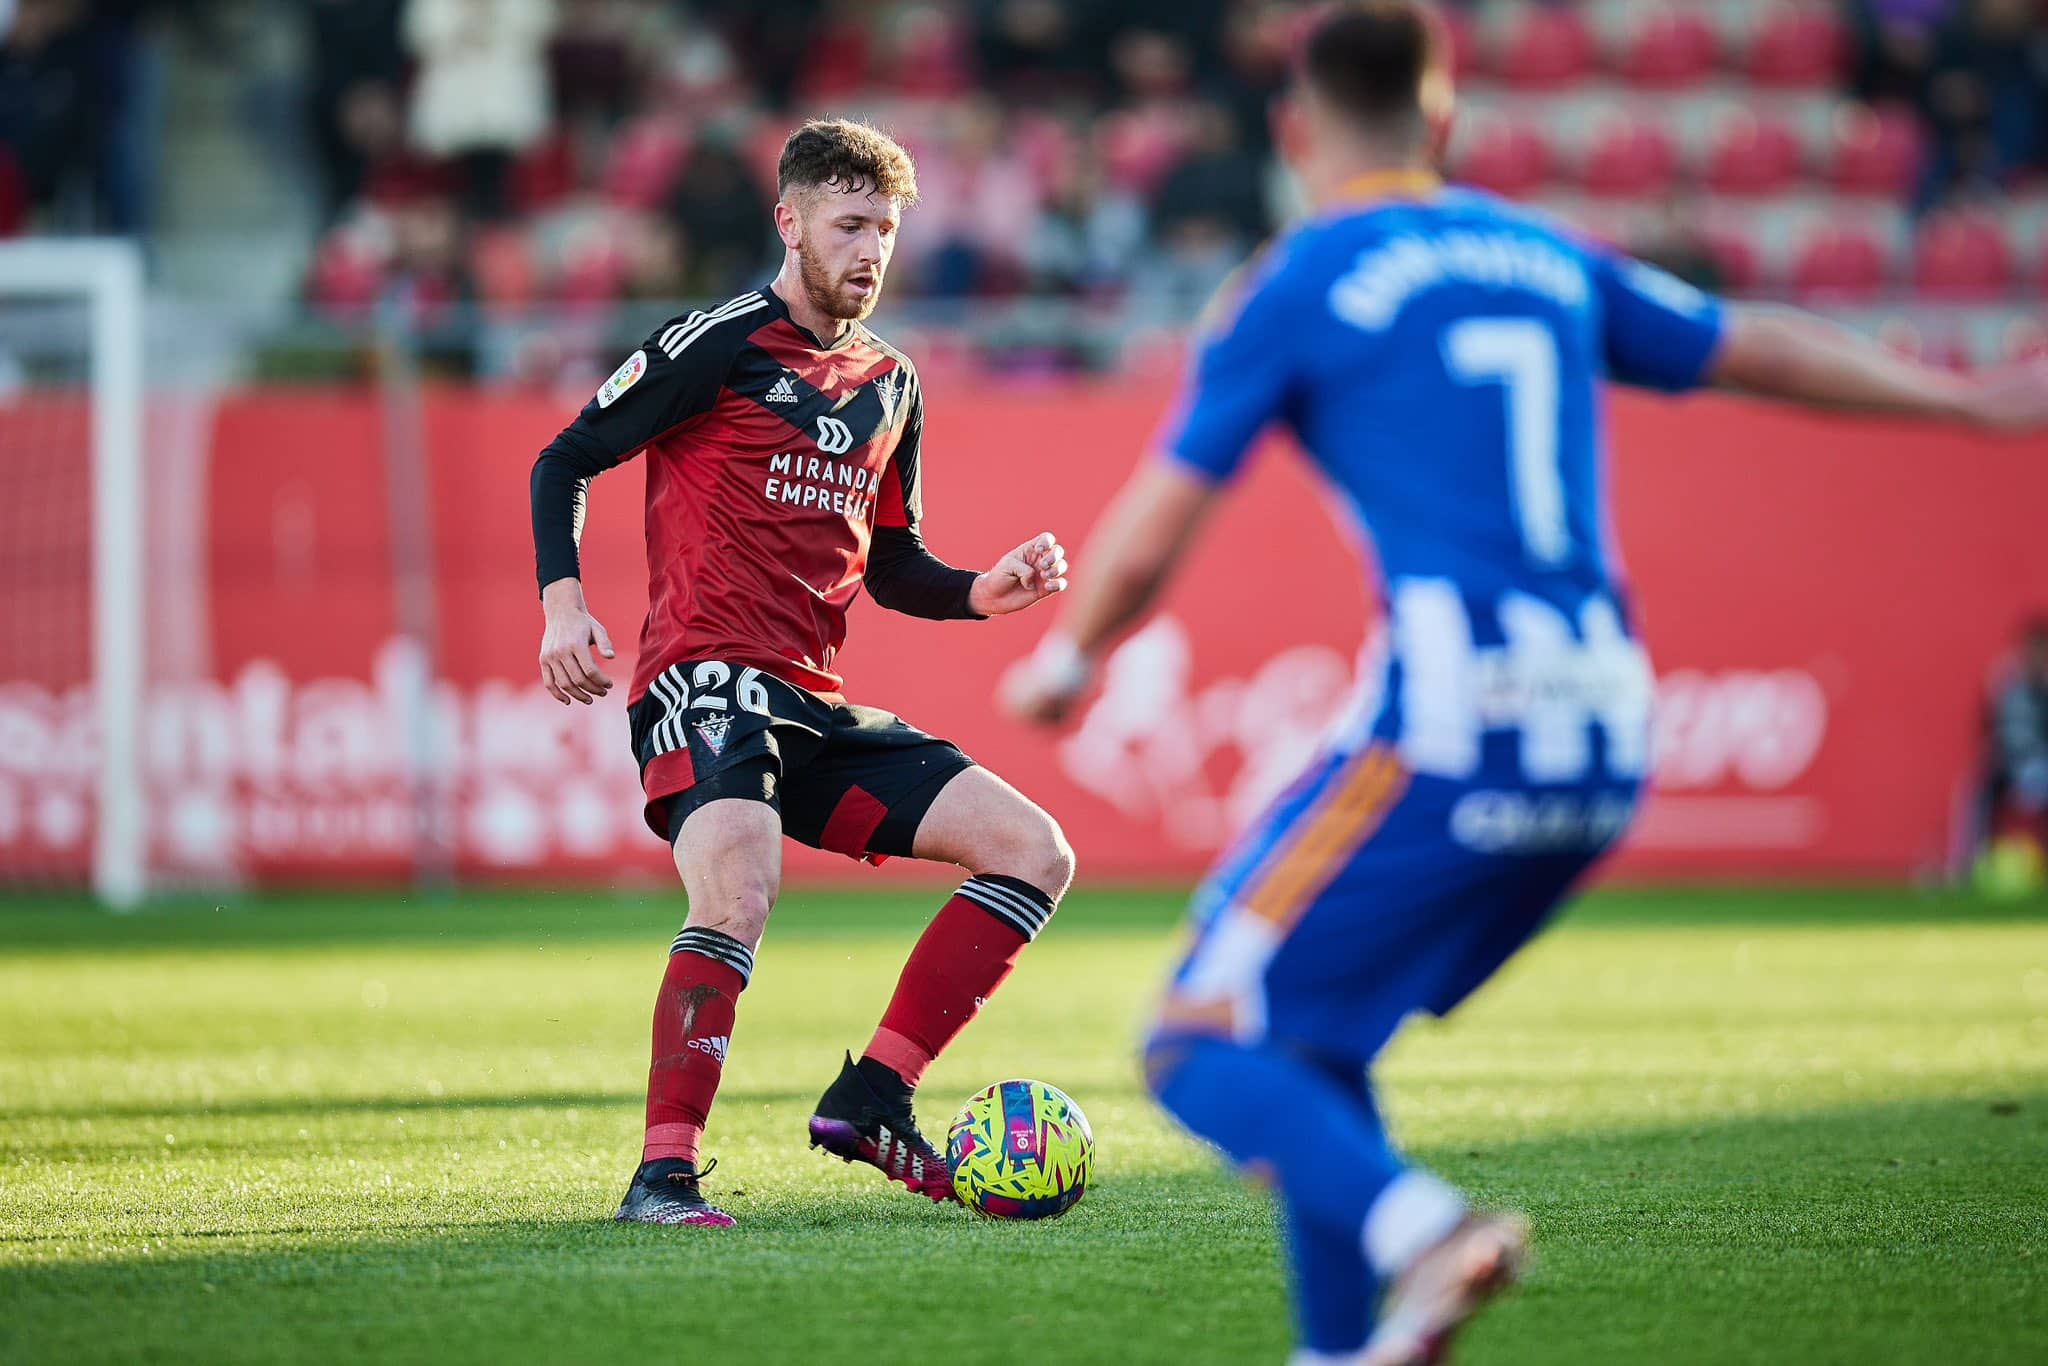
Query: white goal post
107	275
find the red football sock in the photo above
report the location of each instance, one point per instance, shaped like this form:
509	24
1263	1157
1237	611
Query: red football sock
693	1018
959	961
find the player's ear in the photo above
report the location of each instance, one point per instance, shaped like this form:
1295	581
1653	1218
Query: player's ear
1439	111
789	222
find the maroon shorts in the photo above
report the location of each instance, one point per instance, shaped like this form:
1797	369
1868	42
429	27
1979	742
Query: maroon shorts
855	780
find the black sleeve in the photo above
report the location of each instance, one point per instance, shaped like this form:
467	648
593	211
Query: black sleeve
674	376
904	576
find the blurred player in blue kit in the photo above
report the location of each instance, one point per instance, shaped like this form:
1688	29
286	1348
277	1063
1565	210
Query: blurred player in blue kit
1439	356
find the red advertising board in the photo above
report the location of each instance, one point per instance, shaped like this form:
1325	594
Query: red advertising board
1824	600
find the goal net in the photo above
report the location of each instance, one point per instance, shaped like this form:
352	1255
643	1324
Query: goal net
72	568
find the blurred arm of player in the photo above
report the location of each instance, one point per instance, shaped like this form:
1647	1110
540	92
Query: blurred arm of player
1131	555
1782	353
1243	372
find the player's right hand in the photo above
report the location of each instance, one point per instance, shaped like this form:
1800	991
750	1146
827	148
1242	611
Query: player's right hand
2012	398
568	669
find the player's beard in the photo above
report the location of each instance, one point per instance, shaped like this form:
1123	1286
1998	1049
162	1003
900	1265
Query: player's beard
827	293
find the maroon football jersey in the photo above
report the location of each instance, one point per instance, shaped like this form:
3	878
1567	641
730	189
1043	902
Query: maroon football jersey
770	458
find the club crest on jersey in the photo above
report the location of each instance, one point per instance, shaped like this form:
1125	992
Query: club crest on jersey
885	390
623	378
712	730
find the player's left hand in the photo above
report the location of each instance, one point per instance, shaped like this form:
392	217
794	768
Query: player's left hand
1031	573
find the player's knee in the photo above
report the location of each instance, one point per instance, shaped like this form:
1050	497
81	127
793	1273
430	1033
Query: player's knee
1031	848
1056	860
1045	859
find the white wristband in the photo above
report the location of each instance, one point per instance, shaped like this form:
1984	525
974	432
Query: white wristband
1060	663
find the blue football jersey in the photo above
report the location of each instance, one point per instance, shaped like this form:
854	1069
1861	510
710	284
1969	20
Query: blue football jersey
1439	360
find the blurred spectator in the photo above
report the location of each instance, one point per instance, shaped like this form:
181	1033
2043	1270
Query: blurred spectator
1090	233
1209	212
1986	92
720	213
355	95
594	61
70	74
979	208
1893	44
1215	197
481	92
1257	41
654	263
2013	803
1034	49
429	254
776	38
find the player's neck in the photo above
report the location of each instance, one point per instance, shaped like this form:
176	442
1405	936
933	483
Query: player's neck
1360	180
789	287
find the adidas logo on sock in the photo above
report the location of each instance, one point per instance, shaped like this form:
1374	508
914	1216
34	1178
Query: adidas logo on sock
783	391
714	1044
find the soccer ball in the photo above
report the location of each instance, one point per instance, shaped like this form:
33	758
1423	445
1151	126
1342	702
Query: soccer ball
1020	1150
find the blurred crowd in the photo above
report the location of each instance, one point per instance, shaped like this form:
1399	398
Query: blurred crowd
598	148
507	152
1975	71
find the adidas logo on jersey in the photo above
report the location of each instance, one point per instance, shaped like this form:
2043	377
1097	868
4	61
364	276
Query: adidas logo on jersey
783	391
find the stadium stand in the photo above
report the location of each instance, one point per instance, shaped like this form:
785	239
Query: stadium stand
1073	150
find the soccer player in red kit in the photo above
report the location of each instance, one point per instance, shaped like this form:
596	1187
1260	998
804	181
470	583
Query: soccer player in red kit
783	442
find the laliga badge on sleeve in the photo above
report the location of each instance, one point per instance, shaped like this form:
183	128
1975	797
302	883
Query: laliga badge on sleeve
623	378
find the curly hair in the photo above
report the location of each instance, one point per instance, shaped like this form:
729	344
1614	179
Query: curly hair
846	156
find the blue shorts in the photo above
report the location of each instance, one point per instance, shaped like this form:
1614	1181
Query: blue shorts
1366	893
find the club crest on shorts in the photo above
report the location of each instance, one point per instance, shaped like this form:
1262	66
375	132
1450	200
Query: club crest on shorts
712	730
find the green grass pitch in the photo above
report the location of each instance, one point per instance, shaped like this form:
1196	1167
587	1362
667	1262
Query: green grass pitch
1749	1126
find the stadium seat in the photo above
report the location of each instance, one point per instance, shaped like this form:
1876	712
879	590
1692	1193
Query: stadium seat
931	57
1735	252
1874	151
501	260
1629	158
1752	156
347	271
645	157
545	174
1962	255
1545	48
1838	262
1669	49
1505	157
1797	47
2024	339
1139	147
592	270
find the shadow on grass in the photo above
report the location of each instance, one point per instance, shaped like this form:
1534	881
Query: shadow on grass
1903	1232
